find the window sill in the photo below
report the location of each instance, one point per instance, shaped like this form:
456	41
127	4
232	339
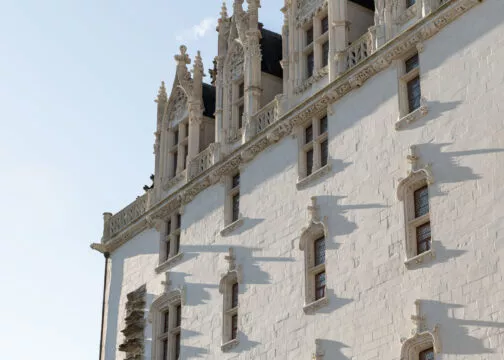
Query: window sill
169	263
229	345
412	116
317	304
231	227
302	183
421	258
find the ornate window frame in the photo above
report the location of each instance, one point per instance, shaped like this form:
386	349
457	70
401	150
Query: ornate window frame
421	338
417	178
404	77
316	229
234	74
169	241
168	301
228	280
315	145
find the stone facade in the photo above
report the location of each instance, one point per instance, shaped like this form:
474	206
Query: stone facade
382	300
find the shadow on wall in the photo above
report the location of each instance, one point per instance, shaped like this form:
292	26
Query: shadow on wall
248	223
338	224
196	293
245	344
456	335
442	255
334	303
332	349
436	109
446	168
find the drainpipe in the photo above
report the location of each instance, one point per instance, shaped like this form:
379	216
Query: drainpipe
107	255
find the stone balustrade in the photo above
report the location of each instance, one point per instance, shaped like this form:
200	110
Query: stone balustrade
358	50
266	116
204	160
118	222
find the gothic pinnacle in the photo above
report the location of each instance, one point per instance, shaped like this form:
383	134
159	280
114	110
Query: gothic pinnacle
162	96
224	14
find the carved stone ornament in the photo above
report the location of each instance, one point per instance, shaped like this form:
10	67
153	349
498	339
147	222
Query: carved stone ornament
133	344
126	226
233	274
416	173
177	106
421	337
306	9
235	62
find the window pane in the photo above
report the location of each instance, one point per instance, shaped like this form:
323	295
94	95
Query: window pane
309	64
176	245
414	94
241	109
320	283
166	318
168	227
234	296
186	130
308	134
421	197
324	154
423	235
309	36
323	125
319	251
179	221
241	90
179	316
234	326
167	253
411	63
185	157
325	24
236	207
176	137
309	162
165	349
410	3
427	354
175	159
177	346
236	181
325	53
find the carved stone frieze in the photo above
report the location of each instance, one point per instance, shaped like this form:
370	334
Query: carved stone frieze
122	226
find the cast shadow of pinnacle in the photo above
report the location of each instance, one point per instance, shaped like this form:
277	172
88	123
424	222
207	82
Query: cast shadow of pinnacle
332	349
196	293
337	166
334	303
436	109
338	224
248	223
456	334
445	164
245	344
442	255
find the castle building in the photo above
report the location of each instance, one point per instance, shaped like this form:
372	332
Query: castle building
336	192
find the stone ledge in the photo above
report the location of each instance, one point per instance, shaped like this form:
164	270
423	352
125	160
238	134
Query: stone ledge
314	306
419	259
317	174
412	116
169	263
231	227
229	345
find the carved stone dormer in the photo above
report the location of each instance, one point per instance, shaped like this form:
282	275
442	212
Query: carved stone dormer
421	337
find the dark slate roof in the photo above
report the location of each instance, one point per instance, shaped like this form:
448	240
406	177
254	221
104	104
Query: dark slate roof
366	3
209	100
271	47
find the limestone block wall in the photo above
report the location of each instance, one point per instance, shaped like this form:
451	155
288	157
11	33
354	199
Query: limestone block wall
371	292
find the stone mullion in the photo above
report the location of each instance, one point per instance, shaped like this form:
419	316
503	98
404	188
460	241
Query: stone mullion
219	100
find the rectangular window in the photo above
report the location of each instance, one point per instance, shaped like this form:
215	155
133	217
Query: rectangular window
426	354
410	3
236	207
309	162
179	220
323	125
186	130
308	134
168	227
319	247
423	236
178	321
320	284
325	24
324	153
241	90
414	94
309	36
176	247
165	349
325	54
235	181
176	137
177	346
234	296
411	63
421	198
175	159
310	63
186	150
234	326
241	109
166	319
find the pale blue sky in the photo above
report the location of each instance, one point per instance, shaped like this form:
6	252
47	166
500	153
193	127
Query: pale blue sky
77	84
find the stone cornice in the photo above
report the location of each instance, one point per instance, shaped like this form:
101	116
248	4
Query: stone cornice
317	103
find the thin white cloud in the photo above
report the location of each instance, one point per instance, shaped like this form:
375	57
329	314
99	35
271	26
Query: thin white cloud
197	31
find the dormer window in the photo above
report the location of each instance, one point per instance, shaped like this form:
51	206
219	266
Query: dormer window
238	103
179	146
316	44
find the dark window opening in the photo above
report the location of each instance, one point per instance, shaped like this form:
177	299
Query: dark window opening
323	125
325	24
320	284
325	54
324	153
309	36
309	64
309	162
234	296
235	181
421	197
308	134
234	326
414	94
412	63
426	354
319	247
179	316
236	207
166	318
175	159
423	237
410	3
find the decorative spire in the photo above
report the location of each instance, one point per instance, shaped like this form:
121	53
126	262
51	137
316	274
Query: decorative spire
223	14
198	62
162	96
183	58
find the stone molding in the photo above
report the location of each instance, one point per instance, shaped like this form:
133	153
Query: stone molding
381	59
317	174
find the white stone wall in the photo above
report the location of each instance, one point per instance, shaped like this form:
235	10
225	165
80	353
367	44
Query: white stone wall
371	292
271	86
360	19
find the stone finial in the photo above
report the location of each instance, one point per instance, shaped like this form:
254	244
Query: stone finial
313	210
223	14
183	58
213	72
418	319
198	63
162	96
412	158
230	258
